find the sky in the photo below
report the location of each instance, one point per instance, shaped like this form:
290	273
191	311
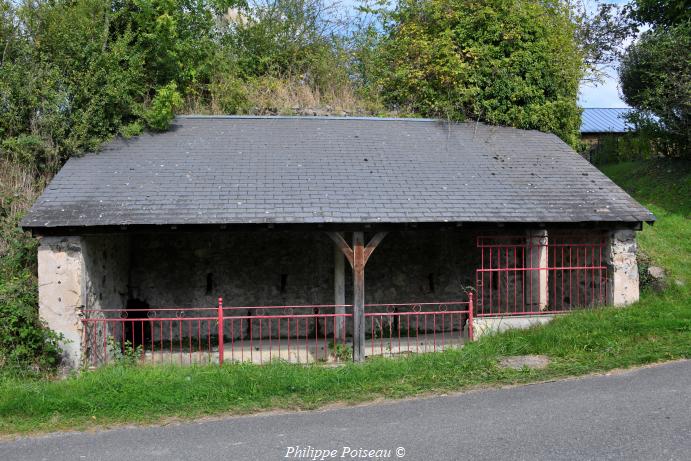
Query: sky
607	93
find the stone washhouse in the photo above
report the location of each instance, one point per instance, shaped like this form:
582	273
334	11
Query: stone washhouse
288	211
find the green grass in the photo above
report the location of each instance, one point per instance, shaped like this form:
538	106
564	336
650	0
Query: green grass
585	342
665	188
656	329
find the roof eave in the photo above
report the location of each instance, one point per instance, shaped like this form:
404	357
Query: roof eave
322	226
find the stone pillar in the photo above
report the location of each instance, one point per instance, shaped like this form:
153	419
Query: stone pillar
537	257
339	290
622	284
61	292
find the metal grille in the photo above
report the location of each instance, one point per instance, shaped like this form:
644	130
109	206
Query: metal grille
261	334
536	275
394	329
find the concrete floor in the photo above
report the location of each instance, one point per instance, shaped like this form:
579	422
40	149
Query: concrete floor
304	351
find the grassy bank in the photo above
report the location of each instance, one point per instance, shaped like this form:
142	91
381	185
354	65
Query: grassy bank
656	329
582	343
665	188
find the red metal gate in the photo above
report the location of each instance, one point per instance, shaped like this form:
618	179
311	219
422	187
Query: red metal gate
535	275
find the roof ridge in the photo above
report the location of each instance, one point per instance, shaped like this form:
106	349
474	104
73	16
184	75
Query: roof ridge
313	117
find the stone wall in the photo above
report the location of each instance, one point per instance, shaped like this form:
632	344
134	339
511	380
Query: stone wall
78	274
293	268
287	268
421	266
623	286
268	267
61	288
107	264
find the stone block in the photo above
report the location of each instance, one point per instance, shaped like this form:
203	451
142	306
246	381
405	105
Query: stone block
61	287
490	325
623	287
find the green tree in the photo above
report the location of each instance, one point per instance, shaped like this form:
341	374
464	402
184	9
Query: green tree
655	74
293	38
72	74
660	13
508	62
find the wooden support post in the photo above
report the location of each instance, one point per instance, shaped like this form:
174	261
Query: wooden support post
339	292
357	256
358	296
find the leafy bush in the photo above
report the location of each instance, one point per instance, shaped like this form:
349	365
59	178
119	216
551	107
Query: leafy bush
655	78
133	129
342	352
229	95
25	343
290	38
124	353
513	63
162	110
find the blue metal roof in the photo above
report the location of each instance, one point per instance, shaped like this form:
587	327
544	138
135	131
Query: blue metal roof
605	121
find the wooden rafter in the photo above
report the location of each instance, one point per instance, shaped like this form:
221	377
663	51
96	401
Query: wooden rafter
342	245
373	243
347	250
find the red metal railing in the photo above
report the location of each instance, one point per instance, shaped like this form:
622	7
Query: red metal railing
301	333
394	329
522	275
260	334
536	275
158	335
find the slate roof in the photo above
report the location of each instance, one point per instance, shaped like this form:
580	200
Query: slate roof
240	170
605	121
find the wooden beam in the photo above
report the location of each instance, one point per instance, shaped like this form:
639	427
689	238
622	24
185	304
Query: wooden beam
358	254
373	243
358	296
342	245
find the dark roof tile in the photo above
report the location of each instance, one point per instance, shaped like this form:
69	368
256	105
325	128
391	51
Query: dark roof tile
226	170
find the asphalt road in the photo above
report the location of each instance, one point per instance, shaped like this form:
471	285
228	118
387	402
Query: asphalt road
642	414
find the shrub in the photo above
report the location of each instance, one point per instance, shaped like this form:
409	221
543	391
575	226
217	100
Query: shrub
162	110
133	129
25	343
512	63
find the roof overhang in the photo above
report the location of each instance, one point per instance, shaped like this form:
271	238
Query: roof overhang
325	227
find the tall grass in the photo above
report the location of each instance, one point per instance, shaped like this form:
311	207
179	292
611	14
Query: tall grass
664	186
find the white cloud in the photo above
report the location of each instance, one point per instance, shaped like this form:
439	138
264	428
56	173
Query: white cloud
605	94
